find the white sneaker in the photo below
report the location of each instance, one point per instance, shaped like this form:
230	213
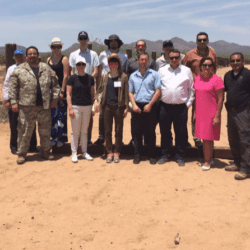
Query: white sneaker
87	156
74	158
205	168
59	144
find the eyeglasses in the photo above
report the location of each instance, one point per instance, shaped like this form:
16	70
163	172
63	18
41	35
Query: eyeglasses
81	64
56	47
113	64
140	46
174	57
200	40
207	65
237	60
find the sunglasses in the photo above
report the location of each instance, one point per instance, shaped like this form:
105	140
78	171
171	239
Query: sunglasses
56	47
113	64
174	57
207	65
81	64
83	38
142	46
237	60
200	40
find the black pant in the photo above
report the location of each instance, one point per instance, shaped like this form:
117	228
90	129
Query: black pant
101	126
13	132
147	121
176	114
239	138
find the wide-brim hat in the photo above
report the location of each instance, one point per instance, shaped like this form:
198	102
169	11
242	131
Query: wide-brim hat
113	37
114	55
56	41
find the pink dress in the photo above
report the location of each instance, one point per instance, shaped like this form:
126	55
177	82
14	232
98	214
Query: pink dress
206	107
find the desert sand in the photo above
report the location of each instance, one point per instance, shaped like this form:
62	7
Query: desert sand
94	205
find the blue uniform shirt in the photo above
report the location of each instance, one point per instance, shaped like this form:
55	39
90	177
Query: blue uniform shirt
143	87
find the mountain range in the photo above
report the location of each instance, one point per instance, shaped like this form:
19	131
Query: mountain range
221	47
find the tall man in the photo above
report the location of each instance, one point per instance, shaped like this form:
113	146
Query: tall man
19	58
237	87
192	60
177	95
114	43
33	90
92	64
144	90
131	66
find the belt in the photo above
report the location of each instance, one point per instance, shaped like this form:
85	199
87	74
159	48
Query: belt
239	109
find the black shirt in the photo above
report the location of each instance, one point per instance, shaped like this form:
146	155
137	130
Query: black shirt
112	92
39	99
132	65
237	88
81	86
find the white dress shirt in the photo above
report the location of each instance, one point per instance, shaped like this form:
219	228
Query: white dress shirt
176	85
6	82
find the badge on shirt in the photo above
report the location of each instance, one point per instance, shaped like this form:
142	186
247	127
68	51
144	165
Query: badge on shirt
117	84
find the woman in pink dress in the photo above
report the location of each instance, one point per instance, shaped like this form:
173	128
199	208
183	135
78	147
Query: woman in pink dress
209	95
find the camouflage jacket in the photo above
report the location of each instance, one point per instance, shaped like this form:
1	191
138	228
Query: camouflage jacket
23	85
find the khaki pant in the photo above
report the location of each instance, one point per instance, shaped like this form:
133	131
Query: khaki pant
28	115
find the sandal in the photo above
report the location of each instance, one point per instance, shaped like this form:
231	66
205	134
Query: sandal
109	158
116	158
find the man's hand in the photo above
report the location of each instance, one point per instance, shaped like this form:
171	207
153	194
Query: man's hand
7	105
92	113
216	121
125	113
71	113
147	108
15	107
52	105
136	109
61	96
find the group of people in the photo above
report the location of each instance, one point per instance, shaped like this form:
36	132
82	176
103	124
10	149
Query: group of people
155	92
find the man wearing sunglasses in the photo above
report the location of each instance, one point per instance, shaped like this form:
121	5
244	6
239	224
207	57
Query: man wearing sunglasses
114	43
177	95
192	60
131	66
237	87
92	64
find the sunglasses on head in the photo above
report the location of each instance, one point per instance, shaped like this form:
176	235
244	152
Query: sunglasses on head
80	64
140	46
237	60
200	40
113	63
174	57
207	65
56	47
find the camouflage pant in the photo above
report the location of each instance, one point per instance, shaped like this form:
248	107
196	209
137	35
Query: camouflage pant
28	115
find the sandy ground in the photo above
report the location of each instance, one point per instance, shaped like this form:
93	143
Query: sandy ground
95	205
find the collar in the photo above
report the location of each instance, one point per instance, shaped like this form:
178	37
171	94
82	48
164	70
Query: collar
86	51
178	69
207	51
148	71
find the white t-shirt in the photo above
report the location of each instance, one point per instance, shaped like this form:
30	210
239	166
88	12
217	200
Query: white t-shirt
103	60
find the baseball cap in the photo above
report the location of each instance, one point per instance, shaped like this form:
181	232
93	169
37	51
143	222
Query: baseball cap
80	59
83	35
167	43
18	52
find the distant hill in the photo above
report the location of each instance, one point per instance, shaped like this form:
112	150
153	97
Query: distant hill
221	47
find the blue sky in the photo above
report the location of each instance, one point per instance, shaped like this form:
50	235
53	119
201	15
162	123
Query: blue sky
30	22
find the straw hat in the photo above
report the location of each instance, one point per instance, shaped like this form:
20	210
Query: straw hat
56	41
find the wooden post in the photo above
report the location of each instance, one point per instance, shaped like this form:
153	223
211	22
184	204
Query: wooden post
9	53
154	55
129	53
90	46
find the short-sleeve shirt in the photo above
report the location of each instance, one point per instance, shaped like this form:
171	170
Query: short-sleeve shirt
237	88
193	57
90	56
132	65
81	87
103	60
143	87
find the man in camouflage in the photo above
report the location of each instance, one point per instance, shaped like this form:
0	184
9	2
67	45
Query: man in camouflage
33	90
